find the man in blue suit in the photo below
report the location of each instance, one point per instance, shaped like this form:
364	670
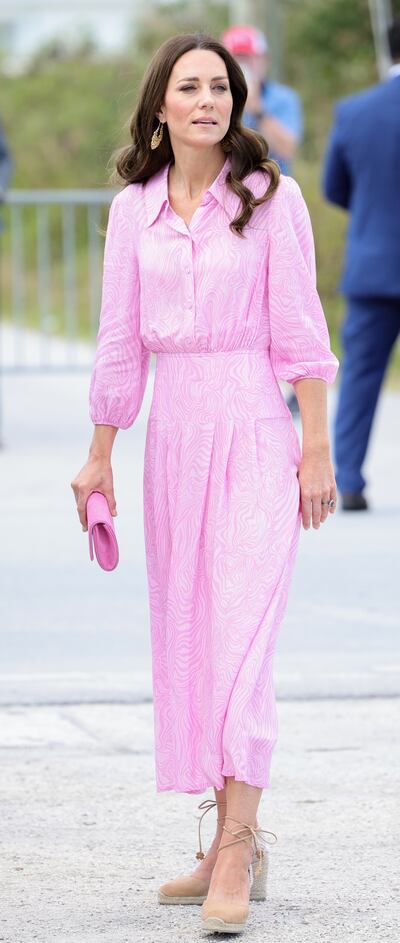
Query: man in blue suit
362	174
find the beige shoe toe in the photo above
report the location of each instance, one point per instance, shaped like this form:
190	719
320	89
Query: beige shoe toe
187	889
224	916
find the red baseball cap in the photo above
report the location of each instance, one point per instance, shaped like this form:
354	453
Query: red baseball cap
244	40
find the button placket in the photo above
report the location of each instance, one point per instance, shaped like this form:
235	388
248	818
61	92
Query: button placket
189	273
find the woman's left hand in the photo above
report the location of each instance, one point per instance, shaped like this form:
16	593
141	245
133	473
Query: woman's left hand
317	487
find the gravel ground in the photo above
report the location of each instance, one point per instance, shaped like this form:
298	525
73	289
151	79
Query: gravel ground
86	839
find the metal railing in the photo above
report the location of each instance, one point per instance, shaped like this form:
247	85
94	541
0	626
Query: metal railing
50	278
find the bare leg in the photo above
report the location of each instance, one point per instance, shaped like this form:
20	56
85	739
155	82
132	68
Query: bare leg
206	865
229	879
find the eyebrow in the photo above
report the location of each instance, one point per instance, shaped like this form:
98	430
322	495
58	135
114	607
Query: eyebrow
194	78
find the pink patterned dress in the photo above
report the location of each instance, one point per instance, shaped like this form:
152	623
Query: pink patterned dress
227	317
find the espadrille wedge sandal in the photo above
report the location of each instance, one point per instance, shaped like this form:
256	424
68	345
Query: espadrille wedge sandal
223	917
189	889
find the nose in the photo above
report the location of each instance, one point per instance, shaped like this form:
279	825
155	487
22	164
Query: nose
205	97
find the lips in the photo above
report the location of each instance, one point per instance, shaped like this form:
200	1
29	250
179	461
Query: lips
204	121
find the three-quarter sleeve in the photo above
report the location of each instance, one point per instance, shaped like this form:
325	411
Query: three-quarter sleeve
299	343
121	363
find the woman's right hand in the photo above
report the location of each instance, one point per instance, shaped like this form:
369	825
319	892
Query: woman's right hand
96	475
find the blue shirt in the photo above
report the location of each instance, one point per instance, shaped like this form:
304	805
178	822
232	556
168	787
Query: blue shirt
282	103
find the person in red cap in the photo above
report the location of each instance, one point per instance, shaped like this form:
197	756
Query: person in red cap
272	109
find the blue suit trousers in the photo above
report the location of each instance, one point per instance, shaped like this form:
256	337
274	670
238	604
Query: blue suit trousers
369	332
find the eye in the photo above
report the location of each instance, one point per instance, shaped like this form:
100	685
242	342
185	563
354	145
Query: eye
187	87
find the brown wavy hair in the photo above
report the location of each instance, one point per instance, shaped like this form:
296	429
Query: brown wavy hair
248	149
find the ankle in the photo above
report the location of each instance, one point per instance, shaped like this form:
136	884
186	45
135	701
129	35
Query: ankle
230	861
216	840
221	809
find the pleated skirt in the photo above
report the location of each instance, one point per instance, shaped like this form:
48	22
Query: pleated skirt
222	522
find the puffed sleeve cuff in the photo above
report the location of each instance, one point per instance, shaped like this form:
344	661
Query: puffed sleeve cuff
300	344
121	364
306	371
118	407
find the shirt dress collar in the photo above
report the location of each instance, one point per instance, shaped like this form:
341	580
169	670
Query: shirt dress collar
156	191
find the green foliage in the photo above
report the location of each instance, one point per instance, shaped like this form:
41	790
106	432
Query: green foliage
63	122
329	52
180	17
334	40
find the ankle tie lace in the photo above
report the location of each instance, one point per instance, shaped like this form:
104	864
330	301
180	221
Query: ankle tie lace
207	804
259	841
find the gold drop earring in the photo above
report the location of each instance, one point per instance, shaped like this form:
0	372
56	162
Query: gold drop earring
157	136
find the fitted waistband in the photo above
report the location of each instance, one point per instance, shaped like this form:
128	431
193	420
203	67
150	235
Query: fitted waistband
201	386
200	353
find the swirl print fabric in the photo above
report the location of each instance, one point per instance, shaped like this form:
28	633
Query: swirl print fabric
227	318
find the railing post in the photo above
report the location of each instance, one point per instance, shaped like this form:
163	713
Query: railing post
38	287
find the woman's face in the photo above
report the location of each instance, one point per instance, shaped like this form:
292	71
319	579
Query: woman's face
198	87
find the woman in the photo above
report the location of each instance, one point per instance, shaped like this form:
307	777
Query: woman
209	262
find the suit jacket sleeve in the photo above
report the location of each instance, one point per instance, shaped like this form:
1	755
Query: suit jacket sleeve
336	176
